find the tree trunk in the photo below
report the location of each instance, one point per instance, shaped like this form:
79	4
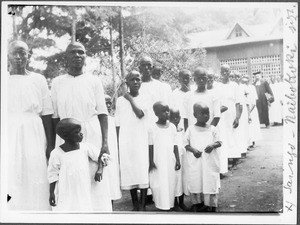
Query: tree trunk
73	35
121	43
112	58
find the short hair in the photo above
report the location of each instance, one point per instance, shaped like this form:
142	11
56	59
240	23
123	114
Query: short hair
131	74
200	71
146	59
157	105
65	126
199	106
184	72
78	44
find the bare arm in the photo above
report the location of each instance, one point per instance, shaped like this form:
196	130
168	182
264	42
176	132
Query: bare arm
177	165
104	128
151	158
215	121
137	111
47	123
52	195
186	124
196	152
223	108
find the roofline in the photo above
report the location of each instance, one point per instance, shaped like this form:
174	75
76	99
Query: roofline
215	45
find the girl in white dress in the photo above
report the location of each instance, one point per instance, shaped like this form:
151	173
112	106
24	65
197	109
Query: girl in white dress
163	158
181	176
202	143
131	122
29	133
68	169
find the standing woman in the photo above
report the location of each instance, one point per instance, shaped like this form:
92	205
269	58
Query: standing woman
30	130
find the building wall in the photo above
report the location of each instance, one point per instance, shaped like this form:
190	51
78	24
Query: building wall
248	57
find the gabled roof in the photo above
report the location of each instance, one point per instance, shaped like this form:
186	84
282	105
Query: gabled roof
218	38
236	25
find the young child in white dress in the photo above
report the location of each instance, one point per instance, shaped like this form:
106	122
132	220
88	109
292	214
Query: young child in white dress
202	143
181	173
113	168
68	169
131	121
163	158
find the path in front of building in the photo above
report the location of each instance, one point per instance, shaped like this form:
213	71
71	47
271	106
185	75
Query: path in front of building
256	186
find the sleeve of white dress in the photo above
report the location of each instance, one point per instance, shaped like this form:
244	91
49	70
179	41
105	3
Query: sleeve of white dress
216	105
53	167
215	133
99	94
54	98
47	108
185	106
92	151
186	139
237	93
117	112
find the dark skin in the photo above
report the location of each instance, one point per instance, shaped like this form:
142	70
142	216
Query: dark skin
201	112
75	58
72	140
145	67
225	73
18	58
162	112
200	78
184	80
133	82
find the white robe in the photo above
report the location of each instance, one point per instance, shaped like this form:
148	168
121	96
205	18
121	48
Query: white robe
113	169
180	181
28	99
230	96
204	172
254	126
133	143
241	133
71	170
82	97
155	91
163	178
208	97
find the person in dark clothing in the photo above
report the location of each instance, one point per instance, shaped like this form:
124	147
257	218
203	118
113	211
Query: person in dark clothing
265	97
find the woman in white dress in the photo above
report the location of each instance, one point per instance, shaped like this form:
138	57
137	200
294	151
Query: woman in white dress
29	139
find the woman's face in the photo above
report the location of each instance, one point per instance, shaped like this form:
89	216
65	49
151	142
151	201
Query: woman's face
18	56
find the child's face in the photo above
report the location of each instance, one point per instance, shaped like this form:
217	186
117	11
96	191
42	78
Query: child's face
184	79
163	112
200	80
75	135
237	78
231	77
202	114
134	83
175	117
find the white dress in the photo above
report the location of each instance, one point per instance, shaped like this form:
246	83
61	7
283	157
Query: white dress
28	99
71	170
113	169
254	126
163	178
230	96
204	172
207	97
180	182
154	91
82	97
241	133
133	143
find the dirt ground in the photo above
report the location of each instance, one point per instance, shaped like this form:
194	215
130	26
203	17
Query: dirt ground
256	186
